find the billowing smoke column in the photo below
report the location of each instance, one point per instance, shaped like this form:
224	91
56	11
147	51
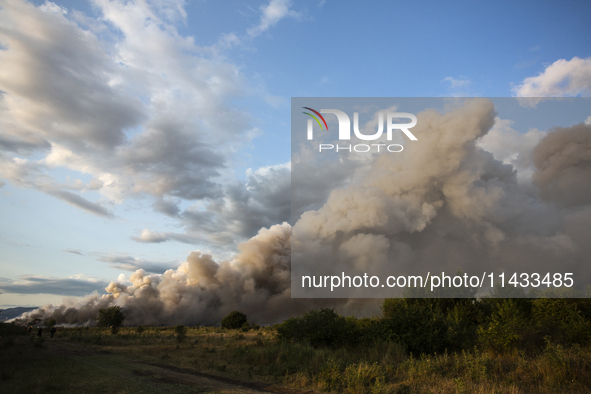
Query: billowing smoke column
448	201
201	291
447	204
563	160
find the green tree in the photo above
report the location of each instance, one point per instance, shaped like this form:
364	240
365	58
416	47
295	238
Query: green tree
447	320
234	320
111	317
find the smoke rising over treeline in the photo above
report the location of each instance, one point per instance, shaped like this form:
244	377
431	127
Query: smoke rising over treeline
447	201
201	290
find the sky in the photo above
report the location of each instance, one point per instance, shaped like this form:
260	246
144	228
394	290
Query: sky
134	133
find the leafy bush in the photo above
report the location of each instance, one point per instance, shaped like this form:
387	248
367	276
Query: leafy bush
508	325
319	328
561	320
416	325
432	325
111	317
234	320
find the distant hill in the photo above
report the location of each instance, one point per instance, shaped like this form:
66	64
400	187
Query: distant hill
11	313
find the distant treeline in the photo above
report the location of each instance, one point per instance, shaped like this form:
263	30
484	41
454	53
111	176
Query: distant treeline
437	325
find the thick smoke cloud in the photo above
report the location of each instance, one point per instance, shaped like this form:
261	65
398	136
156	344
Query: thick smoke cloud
447	202
563	160
202	291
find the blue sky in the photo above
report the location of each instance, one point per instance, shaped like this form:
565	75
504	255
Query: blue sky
227	69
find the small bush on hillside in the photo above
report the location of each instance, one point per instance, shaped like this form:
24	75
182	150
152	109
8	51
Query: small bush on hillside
234	320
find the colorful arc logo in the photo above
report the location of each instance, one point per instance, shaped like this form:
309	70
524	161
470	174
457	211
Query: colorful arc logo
315	118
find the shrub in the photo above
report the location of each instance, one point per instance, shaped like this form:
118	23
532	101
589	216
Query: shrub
415	325
111	317
319	328
234	320
181	332
508	325
561	320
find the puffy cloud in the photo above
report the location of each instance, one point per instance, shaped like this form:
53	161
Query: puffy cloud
167	207
561	78
457	83
458	87
512	147
57	82
272	14
150	236
265	198
246	207
140	109
31	174
130	102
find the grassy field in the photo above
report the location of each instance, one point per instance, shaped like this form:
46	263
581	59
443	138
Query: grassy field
92	360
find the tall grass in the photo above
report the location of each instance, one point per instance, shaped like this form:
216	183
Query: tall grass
383	367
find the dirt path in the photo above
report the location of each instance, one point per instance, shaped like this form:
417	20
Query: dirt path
254	387
165	378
